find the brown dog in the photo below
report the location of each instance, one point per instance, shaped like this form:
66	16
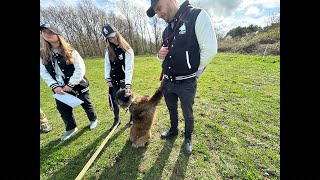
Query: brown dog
142	109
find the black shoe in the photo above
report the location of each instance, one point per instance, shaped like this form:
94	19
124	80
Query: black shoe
169	133
130	121
187	146
115	122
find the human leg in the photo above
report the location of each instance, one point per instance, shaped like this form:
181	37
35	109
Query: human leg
66	115
186	96
89	109
113	90
171	100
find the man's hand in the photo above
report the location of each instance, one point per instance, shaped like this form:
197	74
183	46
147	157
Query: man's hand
163	52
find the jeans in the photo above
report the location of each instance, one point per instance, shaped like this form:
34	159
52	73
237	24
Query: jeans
185	90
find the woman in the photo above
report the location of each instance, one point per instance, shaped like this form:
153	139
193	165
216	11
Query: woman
119	61
63	70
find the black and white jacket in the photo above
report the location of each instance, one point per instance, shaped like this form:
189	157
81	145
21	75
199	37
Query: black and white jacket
121	70
58	73
194	44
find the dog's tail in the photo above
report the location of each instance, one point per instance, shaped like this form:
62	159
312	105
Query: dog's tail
155	99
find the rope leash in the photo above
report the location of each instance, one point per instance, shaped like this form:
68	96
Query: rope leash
94	156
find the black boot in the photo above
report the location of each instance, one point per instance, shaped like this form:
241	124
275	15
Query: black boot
116	122
130	121
170	133
187	146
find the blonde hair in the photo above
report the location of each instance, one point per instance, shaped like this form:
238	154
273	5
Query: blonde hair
124	45
65	49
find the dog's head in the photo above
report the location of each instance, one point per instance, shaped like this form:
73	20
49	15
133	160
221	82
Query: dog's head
122	99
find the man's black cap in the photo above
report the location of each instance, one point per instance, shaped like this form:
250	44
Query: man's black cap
52	28
109	31
150	11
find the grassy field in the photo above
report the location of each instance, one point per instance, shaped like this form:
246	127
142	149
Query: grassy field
236	133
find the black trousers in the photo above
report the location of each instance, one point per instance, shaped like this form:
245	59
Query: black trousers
67	114
113	91
185	90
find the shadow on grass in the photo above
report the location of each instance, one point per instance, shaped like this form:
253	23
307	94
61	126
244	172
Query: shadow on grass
74	165
156	171
56	145
126	163
180	168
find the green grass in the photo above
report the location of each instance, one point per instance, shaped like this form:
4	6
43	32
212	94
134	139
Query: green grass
236	133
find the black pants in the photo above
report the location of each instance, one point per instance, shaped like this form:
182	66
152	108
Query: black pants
66	111
185	90
112	91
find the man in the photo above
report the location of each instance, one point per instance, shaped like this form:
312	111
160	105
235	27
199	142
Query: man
189	44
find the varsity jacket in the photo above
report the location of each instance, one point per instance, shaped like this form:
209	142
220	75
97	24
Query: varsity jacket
193	43
121	70
73	75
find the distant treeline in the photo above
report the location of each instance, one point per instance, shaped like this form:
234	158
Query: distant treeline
252	40
82	25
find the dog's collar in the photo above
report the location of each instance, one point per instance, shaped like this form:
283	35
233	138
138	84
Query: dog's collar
130	105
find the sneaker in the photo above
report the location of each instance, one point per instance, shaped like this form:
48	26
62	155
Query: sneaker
93	124
187	146
68	134
45	128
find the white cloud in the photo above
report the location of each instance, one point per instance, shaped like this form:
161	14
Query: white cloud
226	14
263	3
252	10
217	7
46	3
225	24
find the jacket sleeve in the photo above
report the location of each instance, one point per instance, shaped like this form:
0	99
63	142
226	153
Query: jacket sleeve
206	37
107	67
47	77
129	64
79	69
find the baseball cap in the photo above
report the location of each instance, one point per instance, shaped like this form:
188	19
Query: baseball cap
109	31
52	28
150	11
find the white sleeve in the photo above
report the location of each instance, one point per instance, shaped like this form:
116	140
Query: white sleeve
206	37
107	67
79	69
47	77
129	63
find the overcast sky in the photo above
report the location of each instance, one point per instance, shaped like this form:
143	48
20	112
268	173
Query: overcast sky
225	14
